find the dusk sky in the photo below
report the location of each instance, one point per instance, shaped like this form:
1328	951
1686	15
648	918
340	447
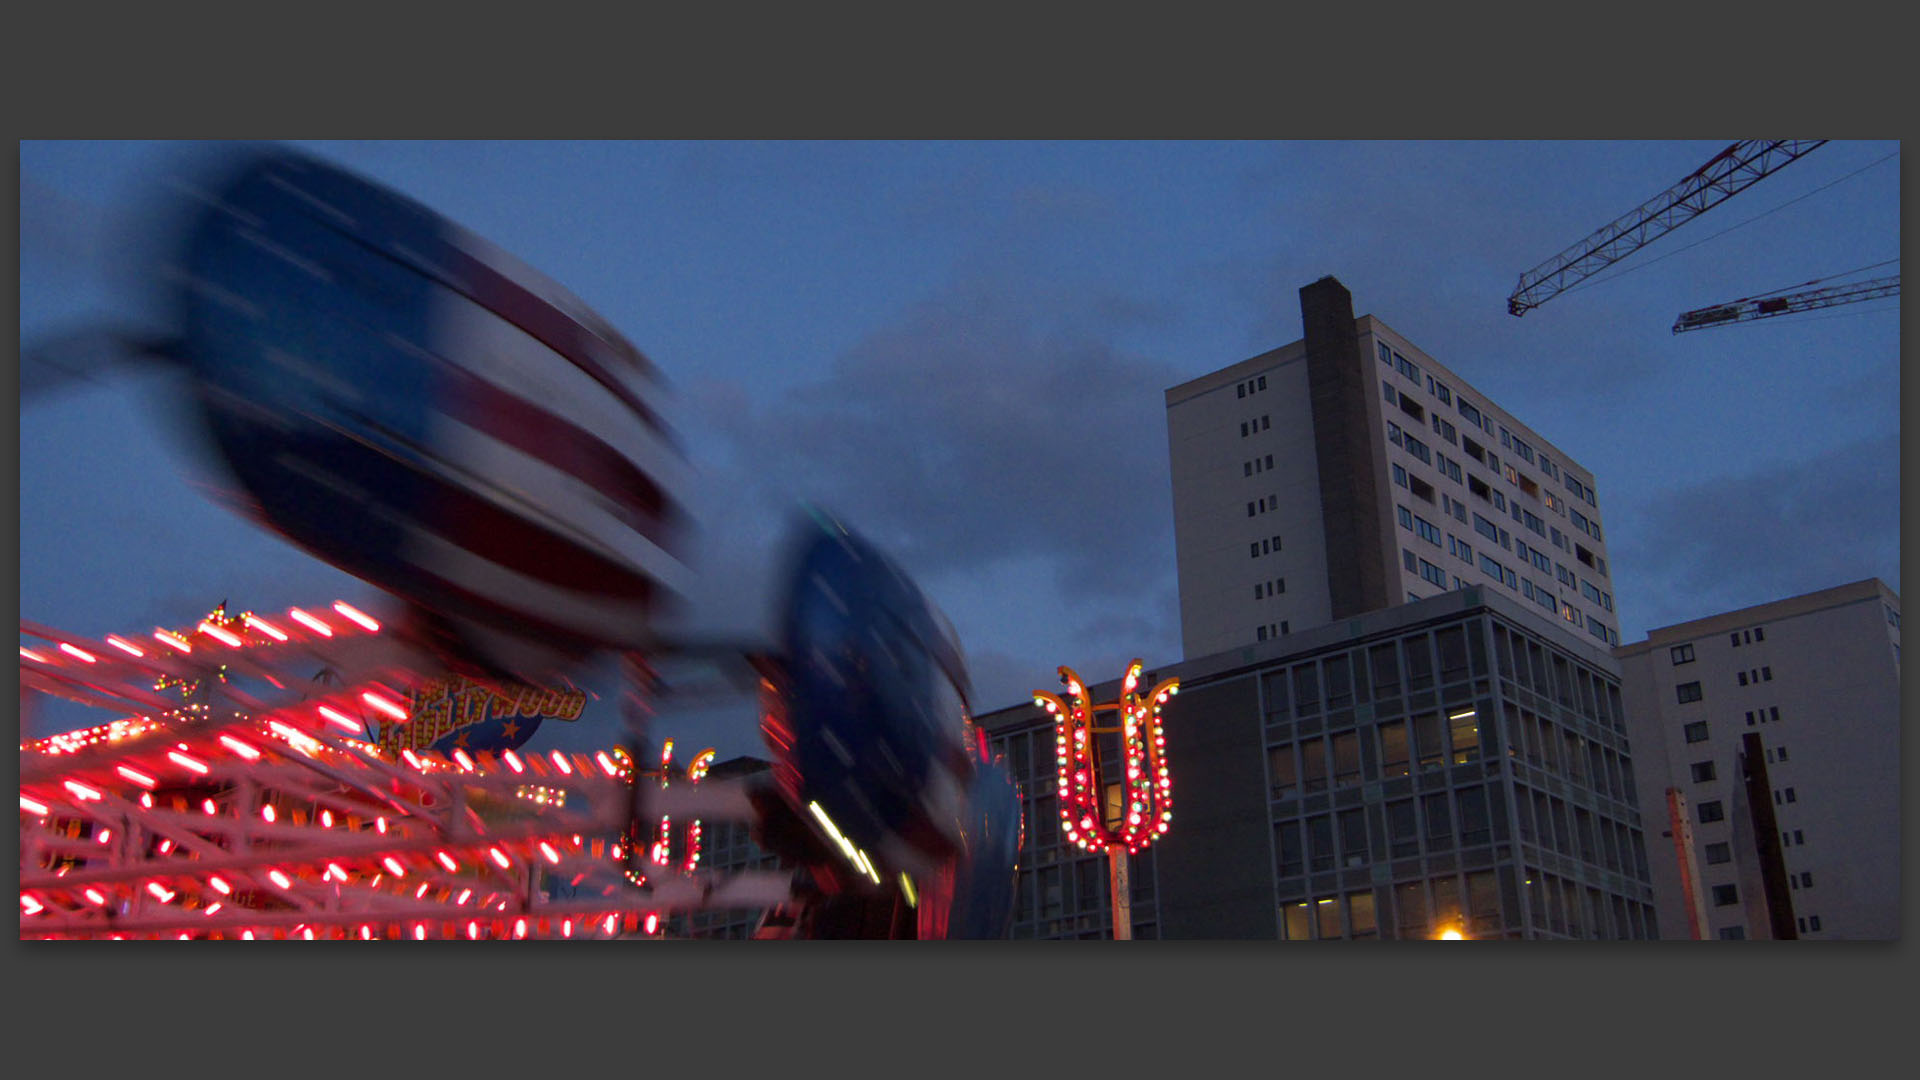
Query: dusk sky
961	350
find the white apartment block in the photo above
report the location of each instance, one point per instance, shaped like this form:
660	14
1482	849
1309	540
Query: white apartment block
1350	471
1779	726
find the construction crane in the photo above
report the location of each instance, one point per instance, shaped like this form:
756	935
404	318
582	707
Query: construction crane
1747	310
1730	171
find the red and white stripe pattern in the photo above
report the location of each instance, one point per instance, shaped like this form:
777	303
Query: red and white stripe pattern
557	501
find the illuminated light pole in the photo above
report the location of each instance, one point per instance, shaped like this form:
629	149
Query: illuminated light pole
1146	804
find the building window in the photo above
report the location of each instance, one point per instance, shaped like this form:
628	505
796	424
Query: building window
1400	476
1260	632
1813	922
1712	811
1799	837
1681	654
1782	751
1806	879
1243	389
1743	678
1789	794
1736	638
1759	633
1702	771
1766	674
1733	933
1719	853
1725	895
1263	382
1687	691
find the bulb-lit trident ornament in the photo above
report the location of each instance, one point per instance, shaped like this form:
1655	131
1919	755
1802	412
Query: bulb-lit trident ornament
1144	803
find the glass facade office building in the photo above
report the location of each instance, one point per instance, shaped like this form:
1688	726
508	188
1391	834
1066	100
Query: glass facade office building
1447	765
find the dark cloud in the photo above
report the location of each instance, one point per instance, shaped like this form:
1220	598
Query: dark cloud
1000	445
1774	532
979	428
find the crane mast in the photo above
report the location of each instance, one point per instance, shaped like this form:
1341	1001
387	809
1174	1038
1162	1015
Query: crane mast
1749	309
1728	172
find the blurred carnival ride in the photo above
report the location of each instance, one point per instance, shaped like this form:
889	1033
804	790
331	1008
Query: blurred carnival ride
410	404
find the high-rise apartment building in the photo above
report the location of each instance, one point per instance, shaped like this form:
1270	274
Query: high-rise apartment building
1350	471
1776	732
1459	764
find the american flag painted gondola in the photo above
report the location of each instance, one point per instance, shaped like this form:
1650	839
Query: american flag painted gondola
869	724
415	406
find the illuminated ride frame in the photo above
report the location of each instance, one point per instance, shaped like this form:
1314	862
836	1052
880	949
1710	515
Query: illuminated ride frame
1137	810
249	816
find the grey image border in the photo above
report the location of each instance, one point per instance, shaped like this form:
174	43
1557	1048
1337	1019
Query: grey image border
735	1006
